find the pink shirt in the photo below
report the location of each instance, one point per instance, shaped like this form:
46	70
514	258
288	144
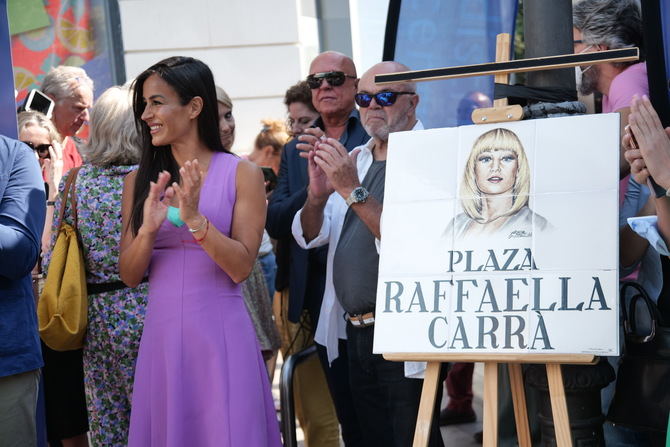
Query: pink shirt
631	81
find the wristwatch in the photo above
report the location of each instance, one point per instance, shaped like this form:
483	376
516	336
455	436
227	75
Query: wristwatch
358	195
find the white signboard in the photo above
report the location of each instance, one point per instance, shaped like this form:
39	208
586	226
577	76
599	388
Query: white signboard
501	238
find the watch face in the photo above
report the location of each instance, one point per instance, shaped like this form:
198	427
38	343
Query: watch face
360	194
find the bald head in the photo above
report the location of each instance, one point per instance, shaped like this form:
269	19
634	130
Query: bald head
380	121
333	58
334	100
386	68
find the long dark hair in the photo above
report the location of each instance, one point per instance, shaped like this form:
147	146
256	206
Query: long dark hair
189	78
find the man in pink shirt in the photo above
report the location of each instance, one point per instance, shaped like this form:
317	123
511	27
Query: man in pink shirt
600	25
72	92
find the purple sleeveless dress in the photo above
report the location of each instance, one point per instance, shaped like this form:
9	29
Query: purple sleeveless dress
200	379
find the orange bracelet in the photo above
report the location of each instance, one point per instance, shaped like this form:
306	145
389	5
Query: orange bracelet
199	241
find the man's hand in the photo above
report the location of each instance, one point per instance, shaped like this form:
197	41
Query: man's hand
338	165
320	187
308	140
653	143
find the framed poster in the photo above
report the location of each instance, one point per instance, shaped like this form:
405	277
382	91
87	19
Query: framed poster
501	238
81	33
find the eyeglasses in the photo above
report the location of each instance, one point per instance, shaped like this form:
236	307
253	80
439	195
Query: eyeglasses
41	149
384	99
585	49
334	78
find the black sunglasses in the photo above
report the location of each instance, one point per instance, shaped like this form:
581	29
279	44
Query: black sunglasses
40	148
384	99
334	78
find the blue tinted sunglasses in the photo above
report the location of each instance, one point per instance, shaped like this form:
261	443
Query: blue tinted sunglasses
384	99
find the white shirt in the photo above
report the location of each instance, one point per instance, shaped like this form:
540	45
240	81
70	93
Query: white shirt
332	325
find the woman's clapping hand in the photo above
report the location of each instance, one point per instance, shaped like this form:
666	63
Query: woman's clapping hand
647	144
155	206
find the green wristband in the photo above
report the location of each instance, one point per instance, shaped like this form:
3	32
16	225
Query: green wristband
173	216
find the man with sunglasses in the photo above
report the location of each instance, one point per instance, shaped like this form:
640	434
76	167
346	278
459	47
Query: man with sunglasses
301	277
343	209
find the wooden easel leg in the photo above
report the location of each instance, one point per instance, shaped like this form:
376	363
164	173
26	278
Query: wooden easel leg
490	404
502	55
559	406
427	404
519	399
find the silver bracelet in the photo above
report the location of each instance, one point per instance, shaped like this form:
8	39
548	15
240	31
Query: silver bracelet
201	227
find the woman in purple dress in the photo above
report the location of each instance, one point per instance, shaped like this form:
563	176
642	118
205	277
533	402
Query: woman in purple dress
193	216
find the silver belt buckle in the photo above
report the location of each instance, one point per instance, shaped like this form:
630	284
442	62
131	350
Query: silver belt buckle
359	321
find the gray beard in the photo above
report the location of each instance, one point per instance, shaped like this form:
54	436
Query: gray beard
381	133
589	82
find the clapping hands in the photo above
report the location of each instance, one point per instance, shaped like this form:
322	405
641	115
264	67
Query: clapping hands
331	168
185	194
188	192
647	144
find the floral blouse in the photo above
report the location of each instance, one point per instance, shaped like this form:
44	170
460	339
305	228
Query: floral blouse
98	190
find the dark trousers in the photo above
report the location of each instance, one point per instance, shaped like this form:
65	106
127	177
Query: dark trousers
337	376
459	387
386	402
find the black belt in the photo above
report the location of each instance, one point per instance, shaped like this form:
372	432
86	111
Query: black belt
94	289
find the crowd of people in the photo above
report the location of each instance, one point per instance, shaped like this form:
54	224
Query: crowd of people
202	265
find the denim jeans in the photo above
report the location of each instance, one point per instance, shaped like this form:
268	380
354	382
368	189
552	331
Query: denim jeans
269	267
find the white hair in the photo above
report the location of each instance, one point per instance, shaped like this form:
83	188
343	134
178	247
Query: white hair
614	23
62	81
35	118
114	139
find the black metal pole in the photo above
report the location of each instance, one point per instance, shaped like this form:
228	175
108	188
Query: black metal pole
548	31
547	28
655	55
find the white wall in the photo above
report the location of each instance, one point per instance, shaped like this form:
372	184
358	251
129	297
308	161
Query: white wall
255	48
368	25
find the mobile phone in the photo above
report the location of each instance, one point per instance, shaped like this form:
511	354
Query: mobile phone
270	177
39	102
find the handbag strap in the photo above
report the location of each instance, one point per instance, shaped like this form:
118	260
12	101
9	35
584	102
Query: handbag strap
69	192
629	315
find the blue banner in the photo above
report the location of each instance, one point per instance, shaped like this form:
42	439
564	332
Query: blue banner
7	106
446	33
